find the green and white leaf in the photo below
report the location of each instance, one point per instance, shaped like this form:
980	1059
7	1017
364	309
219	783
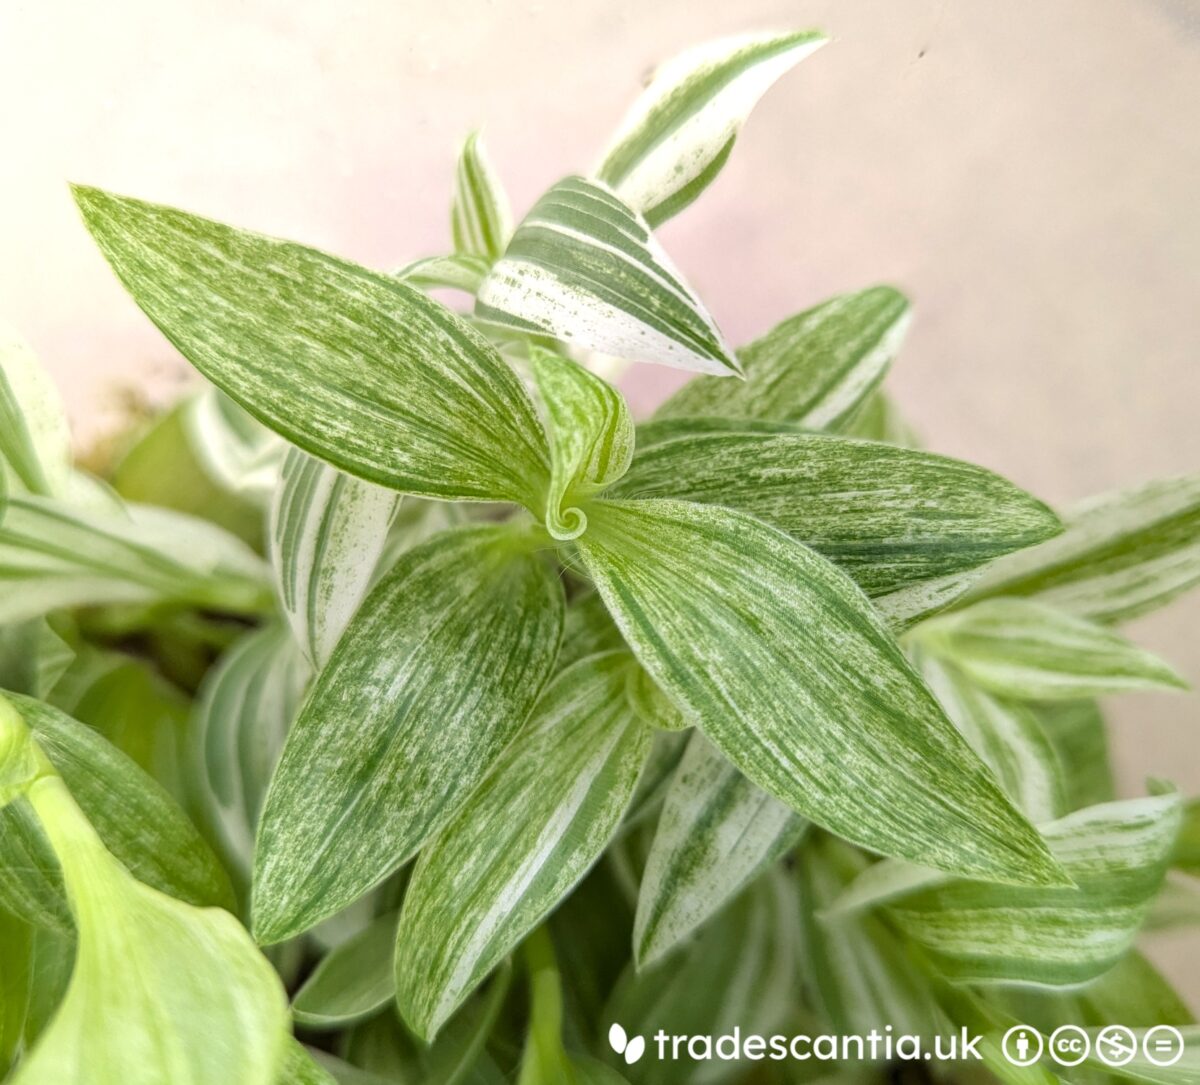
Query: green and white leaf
780	660
588	628
1116	853
433	677
716	832
33	657
349	364
134	816
585	268
456	271
548	809
240	454
480	217
1078	733
591	437
35	445
54	556
891	517
245	708
877	418
815	368
1029	651
352	981
1121	555
1008	737
327	532
678	134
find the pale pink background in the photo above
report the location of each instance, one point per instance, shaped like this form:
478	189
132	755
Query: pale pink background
1028	171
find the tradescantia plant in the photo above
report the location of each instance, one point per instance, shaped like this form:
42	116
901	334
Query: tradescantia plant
402	674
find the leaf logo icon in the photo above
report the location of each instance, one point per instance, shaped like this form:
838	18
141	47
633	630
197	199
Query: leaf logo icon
632	1049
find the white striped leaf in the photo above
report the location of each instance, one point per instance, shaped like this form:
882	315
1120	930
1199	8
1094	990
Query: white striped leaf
432	679
1116	853
135	817
584	268
454	272
480	219
1078	733
54	555
591	438
352	981
858	972
349	364
327	531
160	990
780	660
660	430
1023	649
237	452
716	832
889	516
244	710
543	816
678	134
815	368
1121	555
35	446
587	629
1008	737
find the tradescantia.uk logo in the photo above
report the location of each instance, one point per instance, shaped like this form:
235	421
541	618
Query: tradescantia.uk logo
632	1049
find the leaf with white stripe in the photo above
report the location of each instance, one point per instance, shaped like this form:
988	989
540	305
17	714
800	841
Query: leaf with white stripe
890	517
815	368
433	677
1117	854
678	134
584	268
1023	649
480	219
236	451
716	832
591	437
1122	554
1079	735
35	445
453	272
243	712
327	532
781	661
543	816
1008	737
352	981
54	556
349	364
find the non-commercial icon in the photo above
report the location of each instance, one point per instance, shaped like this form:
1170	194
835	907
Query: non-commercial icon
1116	1045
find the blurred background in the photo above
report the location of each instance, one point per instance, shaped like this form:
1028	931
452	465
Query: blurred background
1027	172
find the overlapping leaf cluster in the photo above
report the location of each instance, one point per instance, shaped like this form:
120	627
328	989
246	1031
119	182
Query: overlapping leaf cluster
529	719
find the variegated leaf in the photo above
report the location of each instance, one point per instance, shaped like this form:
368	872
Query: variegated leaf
352	981
591	437
543	816
781	661
1023	649
480	219
54	555
584	268
877	418
242	716
1078	733
678	134
327	532
815	368
349	364
716	832
889	516
1121	555
35	445
454	272
431	680
1116	853
238	453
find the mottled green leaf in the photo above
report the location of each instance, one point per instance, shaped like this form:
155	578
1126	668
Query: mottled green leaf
814	368
716	832
584	268
480	219
891	517
1026	650
35	446
545	813
587	629
327	532
677	135
455	272
781	661
349	364
434	676
1121	555
353	979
